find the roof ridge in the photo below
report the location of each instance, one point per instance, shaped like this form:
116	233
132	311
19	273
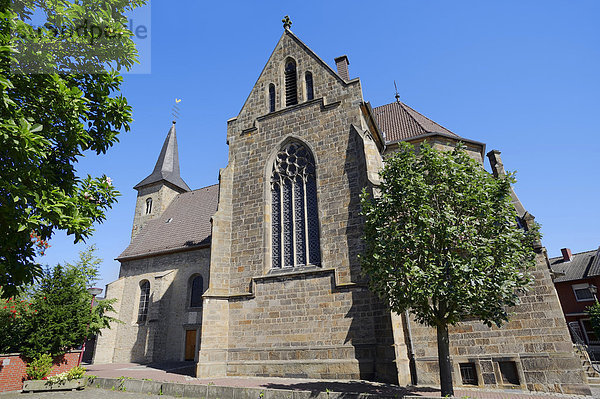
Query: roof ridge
395	116
577	253
588	267
430	120
412	117
202	188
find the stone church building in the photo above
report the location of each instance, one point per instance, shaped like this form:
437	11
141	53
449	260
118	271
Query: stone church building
258	275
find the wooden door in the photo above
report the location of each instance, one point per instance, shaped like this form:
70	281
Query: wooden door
190	344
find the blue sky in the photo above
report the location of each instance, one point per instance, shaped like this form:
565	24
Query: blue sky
523	77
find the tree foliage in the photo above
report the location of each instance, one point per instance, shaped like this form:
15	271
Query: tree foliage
61	316
57	101
594	312
442	239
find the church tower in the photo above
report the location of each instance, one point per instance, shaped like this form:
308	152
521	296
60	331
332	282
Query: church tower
157	190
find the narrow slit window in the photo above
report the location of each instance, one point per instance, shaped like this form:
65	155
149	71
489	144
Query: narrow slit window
144	301
271	97
291	84
148	206
196	292
310	94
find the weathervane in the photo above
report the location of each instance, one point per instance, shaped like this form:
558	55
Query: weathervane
397	95
287	22
175	110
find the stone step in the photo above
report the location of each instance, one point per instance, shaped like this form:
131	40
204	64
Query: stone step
593	380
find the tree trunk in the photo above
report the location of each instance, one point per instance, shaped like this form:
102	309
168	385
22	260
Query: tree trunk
443	344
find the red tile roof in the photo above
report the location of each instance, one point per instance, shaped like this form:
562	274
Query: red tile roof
398	122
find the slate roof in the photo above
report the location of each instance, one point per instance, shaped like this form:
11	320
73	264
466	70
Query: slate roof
581	266
399	122
167	165
184	224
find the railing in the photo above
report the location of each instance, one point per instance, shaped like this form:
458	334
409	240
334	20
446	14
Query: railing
583	347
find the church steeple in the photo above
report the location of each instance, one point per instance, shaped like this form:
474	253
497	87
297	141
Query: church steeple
167	165
156	191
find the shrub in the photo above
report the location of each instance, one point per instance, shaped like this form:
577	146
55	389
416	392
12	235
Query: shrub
76	372
73	374
39	368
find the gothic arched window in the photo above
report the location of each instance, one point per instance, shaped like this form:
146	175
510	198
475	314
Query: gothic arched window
295	220
144	301
271	97
310	93
291	84
196	286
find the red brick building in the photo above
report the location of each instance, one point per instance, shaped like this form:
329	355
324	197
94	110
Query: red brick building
576	282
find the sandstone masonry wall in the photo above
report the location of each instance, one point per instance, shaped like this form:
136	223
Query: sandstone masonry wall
162	336
293	316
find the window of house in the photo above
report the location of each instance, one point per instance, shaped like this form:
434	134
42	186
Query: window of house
291	84
196	290
295	223
582	292
271	97
148	206
144	301
310	94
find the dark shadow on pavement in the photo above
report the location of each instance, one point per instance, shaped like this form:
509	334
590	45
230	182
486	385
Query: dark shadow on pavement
183	368
351	388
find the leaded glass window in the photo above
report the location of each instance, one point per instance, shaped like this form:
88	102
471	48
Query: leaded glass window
144	301
295	220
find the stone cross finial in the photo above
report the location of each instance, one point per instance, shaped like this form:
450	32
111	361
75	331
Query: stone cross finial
287	22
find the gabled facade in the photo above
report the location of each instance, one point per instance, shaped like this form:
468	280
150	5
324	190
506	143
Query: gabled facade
283	293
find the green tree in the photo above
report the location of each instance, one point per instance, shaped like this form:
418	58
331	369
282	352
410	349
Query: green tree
61	312
58	84
14	314
594	312
442	241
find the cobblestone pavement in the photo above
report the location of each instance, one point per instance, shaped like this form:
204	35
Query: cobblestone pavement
176	372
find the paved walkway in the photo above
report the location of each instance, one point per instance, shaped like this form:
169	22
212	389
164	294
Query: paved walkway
88	393
180	372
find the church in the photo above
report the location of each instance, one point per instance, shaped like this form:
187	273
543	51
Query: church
258	275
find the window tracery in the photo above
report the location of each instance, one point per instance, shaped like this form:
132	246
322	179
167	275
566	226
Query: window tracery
295	223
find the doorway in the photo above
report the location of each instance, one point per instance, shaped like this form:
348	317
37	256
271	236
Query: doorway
190	345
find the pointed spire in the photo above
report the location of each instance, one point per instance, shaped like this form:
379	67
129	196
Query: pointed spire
167	165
